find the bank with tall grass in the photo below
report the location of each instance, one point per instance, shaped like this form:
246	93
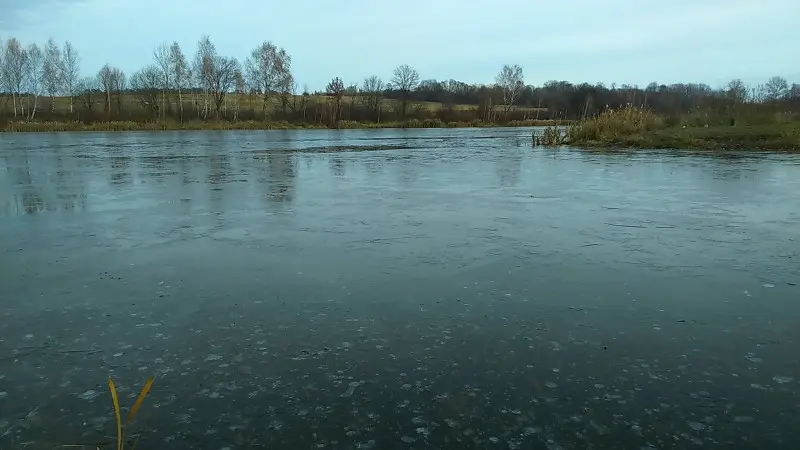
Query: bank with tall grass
639	127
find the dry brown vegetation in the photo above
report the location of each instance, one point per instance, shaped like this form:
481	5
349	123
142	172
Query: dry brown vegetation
634	126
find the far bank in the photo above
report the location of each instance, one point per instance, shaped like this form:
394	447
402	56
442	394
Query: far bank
74	126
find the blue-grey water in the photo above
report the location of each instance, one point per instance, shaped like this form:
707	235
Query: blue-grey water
396	289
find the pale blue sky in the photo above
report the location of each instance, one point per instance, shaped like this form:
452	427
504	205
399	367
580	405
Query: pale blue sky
623	41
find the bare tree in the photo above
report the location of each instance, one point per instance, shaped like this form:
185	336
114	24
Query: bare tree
105	79
736	91
239	87
268	69
162	57
118	84
70	62
16	58
335	91
404	80
304	101
285	92
180	71
112	82
89	91
353	93
510	80
371	93
756	94
53	74
146	84
794	92
35	76
295	98
776	88
221	78
204	68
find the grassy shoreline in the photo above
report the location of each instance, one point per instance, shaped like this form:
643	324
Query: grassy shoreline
636	127
55	126
746	137
627	128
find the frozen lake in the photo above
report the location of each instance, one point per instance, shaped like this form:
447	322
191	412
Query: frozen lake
396	289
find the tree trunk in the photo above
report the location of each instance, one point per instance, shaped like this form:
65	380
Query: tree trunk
180	101
206	105
33	110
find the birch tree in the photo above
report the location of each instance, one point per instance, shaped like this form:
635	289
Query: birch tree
179	72
52	72
268	69
14	71
162	57
35	76
510	80
204	69
104	78
70	62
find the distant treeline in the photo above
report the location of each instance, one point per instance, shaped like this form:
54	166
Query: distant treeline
43	83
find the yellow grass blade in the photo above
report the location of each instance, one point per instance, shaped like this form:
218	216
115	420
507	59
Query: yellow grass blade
138	404
136	442
115	399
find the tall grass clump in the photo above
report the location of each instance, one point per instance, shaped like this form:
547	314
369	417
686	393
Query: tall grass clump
615	125
121	428
550	136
